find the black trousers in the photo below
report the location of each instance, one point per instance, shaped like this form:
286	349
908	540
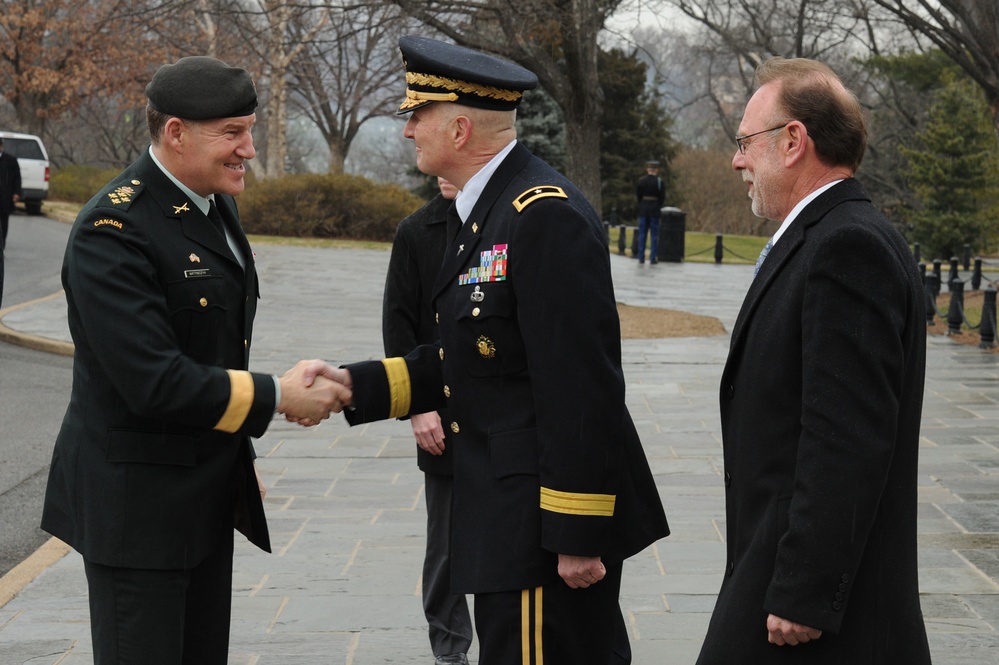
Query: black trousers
447	613
162	617
554	625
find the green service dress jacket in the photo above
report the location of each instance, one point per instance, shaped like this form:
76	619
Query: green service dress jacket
153	465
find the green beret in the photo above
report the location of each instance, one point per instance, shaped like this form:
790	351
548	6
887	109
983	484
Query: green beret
437	71
202	88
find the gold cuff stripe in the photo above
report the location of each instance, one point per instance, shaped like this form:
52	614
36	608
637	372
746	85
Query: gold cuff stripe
400	389
535	193
573	503
414	78
240	401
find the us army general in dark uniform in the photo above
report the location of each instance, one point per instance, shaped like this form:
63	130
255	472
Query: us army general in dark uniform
153	465
552	488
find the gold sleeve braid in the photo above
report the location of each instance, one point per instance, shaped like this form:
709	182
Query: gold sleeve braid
240	401
574	503
400	388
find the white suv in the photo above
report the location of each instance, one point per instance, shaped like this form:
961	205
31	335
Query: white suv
34	163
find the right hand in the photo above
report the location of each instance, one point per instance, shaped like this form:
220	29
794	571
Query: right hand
428	432
309	395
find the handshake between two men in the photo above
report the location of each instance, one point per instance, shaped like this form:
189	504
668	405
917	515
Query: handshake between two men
312	390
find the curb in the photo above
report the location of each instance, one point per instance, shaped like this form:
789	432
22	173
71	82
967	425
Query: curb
34	341
25	572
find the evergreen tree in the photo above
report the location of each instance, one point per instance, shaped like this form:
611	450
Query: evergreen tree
955	171
634	130
540	127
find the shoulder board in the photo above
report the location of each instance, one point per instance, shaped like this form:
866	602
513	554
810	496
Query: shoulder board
121	197
535	193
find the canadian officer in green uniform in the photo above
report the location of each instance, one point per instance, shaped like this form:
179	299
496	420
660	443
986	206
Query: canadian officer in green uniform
153	465
552	489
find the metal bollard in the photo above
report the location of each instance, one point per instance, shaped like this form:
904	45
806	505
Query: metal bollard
621	242
955	315
916	252
988	326
953	271
607	232
634	244
976	276
933	283
966	257
719	248
937	271
929	285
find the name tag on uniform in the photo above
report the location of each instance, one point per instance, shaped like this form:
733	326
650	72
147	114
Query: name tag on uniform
202	272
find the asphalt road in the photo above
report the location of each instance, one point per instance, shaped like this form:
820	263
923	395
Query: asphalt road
34	389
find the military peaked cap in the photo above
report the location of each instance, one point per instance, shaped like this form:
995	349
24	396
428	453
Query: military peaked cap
202	88
440	72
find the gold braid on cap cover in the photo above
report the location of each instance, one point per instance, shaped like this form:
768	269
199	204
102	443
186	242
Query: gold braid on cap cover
462	86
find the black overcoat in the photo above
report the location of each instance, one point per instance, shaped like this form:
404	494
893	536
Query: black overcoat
820	410
408	319
547	459
10	182
153	464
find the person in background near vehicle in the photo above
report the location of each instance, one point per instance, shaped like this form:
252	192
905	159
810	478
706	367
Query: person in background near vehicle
10	193
408	321
821	399
651	194
552	489
153	465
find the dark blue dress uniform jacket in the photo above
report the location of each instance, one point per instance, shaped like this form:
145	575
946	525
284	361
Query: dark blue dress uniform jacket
547	459
820	411
153	465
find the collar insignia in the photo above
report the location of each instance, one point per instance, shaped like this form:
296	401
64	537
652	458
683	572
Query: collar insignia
179	209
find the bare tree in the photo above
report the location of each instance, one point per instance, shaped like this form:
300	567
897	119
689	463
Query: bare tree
349	74
966	30
557	40
54	54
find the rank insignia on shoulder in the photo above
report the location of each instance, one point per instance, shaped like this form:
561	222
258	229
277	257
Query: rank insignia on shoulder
123	195
105	221
535	193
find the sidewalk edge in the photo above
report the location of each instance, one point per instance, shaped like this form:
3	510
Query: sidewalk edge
25	572
34	341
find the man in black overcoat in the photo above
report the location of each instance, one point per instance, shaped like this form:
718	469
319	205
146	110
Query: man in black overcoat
820	400
153	465
552	489
407	321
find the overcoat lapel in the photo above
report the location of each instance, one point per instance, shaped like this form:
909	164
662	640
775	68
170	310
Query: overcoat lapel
465	244
780	256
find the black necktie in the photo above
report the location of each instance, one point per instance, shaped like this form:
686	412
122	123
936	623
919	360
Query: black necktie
216	218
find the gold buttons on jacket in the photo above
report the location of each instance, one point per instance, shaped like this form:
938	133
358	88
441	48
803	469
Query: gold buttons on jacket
455	428
442	353
476	311
447	391
437	318
204	302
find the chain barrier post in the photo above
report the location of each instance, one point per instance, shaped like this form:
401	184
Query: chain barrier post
976	276
719	248
953	271
938	272
988	325
967	257
916	252
931	288
955	315
621	241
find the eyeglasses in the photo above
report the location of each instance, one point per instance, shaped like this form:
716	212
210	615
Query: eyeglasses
742	142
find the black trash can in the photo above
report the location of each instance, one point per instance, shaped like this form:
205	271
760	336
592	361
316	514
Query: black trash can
672	230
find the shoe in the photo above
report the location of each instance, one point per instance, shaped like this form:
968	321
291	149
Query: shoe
452	659
654	261
641	261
